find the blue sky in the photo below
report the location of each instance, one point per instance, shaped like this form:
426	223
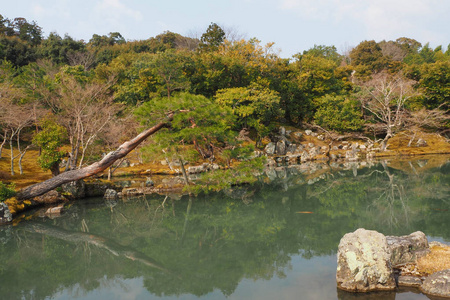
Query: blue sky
293	25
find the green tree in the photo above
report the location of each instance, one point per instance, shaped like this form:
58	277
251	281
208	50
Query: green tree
212	38
255	107
339	113
6	191
434	84
328	52
50	139
197	121
369	57
26	31
57	49
17	51
311	77
168	68
111	39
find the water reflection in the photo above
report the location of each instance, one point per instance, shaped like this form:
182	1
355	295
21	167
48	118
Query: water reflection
250	242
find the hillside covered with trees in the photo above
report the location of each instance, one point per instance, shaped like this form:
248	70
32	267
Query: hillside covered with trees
93	95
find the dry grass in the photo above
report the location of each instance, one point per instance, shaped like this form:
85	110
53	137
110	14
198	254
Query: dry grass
438	259
32	172
436	144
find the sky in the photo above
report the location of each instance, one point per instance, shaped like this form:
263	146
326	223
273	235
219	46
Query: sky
293	25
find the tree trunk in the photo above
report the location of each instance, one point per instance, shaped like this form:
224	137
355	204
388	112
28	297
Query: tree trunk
22	154
3	143
12	155
97	167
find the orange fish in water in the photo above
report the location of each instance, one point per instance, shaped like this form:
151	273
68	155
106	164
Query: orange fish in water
304	212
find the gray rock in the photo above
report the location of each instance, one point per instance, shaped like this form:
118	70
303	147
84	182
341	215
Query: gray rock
282	131
49	197
54	211
407	248
364	262
292	148
74	189
130	192
281	148
270	149
97	189
304	157
410	281
437	284
110	194
421	143
271	162
196	169
149	182
298	134
308	132
5	214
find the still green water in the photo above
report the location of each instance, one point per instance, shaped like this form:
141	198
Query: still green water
276	239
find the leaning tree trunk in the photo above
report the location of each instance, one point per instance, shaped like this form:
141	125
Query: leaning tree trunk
41	188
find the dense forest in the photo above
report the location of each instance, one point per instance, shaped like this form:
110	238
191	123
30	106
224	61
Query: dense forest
94	95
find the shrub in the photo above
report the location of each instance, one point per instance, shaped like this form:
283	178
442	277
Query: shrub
6	191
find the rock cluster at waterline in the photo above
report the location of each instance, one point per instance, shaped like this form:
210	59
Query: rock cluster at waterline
369	261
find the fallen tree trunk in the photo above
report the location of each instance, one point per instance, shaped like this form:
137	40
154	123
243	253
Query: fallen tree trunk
41	188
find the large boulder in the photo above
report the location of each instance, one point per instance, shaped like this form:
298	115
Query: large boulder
98	189
437	284
407	248
74	189
364	262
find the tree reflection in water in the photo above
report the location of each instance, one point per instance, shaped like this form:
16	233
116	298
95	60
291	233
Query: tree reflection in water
210	243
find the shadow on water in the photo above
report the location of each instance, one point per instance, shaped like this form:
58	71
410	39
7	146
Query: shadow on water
276	238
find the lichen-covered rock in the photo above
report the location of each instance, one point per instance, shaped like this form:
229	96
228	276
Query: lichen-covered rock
364	262
74	189
437	284
407	248
98	189
5	214
110	194
49	198
281	147
270	149
196	169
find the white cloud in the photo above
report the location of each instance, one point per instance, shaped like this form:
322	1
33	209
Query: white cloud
114	11
380	19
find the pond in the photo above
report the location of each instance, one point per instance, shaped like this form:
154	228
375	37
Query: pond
276	239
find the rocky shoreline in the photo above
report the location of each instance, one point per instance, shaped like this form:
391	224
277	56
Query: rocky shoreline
369	261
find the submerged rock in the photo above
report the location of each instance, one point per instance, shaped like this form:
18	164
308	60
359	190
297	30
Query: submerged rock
364	262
